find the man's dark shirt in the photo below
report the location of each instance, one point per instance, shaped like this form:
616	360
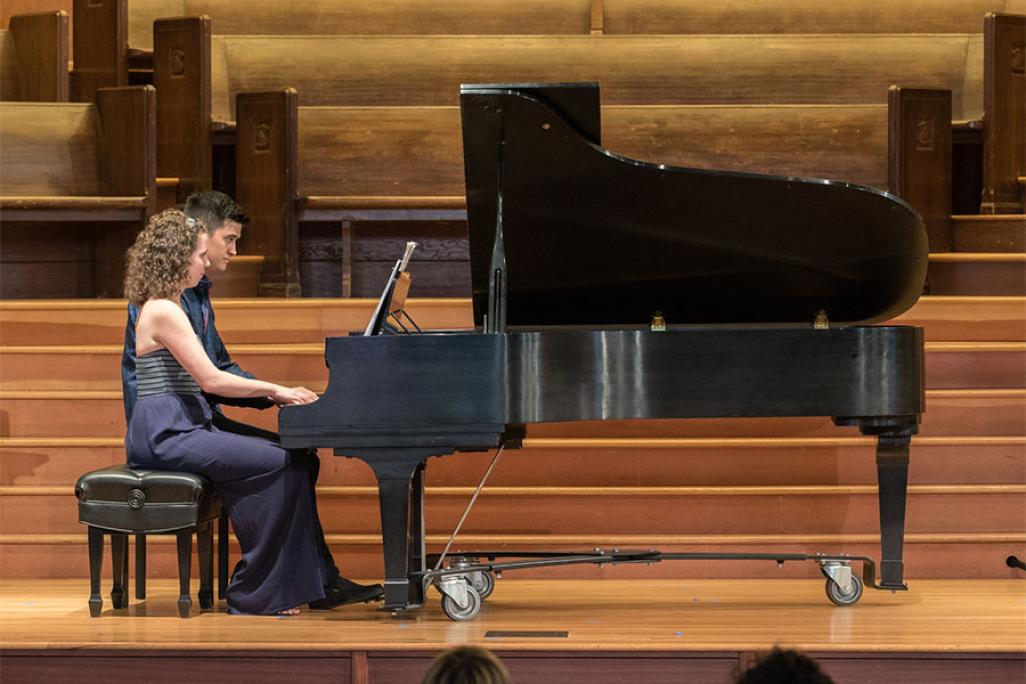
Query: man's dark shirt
196	302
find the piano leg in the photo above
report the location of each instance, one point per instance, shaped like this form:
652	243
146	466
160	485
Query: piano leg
892	479
400	474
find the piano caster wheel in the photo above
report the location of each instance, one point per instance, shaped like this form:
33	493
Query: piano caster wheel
484	582
453	610
838	597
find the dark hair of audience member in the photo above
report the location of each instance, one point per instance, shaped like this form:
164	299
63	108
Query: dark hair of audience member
213	208
782	666
467	665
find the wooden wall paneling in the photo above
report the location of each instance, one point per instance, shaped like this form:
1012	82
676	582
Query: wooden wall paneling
181	74
266	185
100	47
1004	93
128	139
919	157
42	45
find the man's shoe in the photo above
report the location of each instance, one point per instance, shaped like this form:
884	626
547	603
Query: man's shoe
345	592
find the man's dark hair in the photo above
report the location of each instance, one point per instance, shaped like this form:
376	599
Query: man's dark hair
213	208
785	666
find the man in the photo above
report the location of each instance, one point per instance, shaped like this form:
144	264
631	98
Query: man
223	218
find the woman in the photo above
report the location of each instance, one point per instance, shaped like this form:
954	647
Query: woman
265	488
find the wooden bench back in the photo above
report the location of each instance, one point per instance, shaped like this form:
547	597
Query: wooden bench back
417	151
800	16
80	150
424	71
50	149
405	163
356	17
476	17
34	58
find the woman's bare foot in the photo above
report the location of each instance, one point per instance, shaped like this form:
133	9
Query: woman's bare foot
288	611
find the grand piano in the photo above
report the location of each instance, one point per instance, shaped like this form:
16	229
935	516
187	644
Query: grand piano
766	286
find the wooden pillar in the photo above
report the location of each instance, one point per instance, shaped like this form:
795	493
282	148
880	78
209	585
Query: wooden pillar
42	44
181	74
100	32
265	163
128	146
919	157
1004	113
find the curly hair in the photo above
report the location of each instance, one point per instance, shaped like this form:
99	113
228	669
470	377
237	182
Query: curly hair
158	262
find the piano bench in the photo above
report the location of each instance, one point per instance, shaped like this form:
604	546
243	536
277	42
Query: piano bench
121	500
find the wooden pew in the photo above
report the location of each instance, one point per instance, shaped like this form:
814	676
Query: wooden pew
1004	136
198	76
78	183
114	38
34	58
385	174
799	16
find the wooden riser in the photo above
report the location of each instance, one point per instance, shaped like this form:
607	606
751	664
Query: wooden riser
977	277
270	321
949	365
960	557
696	462
631	511
949	412
988	233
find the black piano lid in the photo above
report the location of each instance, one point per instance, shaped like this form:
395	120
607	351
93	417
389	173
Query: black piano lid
593	238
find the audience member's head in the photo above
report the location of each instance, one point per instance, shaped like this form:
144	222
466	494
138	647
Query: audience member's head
223	218
784	667
160	263
467	665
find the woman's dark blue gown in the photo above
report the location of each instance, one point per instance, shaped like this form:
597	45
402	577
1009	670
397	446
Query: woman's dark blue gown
265	487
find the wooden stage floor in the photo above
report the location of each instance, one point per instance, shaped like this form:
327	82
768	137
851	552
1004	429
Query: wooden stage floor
940	630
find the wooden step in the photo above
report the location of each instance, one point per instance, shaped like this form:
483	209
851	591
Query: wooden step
848	460
973	273
278	321
847	509
988	233
949	365
53	413
963	556
258	320
958	319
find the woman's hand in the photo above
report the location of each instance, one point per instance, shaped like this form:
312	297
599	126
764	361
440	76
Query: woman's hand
285	396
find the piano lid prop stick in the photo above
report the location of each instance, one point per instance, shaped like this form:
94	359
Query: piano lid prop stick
496	321
410	246
459	525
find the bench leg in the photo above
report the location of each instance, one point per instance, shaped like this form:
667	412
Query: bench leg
119	550
140	566
184	570
205	541
222	554
95	566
